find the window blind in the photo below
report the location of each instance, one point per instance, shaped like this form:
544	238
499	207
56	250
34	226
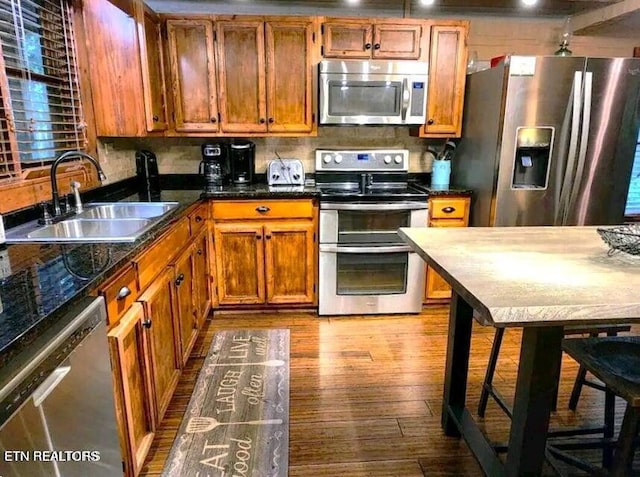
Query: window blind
41	96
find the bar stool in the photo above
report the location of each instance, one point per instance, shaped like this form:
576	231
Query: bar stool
488	388
616	362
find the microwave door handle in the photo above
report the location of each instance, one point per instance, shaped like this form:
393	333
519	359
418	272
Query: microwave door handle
405	98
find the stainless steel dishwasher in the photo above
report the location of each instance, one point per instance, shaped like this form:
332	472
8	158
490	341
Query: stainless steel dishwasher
56	402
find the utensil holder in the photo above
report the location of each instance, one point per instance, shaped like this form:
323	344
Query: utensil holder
440	174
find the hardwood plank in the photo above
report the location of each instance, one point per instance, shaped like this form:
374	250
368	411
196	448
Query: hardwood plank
366	394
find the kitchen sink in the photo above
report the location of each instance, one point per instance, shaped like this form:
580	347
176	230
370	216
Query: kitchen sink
122	210
99	222
91	230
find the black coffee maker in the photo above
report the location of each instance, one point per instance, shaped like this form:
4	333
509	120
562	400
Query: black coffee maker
214	166
242	155
148	178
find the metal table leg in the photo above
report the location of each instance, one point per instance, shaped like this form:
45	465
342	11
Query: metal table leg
538	375
457	365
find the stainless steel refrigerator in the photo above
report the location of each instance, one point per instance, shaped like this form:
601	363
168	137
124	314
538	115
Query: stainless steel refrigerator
549	140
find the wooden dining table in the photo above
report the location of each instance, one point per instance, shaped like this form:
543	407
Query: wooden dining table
539	279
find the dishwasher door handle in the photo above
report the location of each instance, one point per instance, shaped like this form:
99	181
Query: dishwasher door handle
49	384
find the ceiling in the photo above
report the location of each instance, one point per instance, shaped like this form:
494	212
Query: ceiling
398	8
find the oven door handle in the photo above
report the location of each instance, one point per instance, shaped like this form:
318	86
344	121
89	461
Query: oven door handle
375	206
382	249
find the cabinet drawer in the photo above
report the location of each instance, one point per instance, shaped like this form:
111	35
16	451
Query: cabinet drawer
448	223
153	260
448	208
262	209
120	293
198	219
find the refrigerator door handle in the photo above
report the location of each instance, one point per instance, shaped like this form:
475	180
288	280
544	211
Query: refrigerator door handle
584	137
565	192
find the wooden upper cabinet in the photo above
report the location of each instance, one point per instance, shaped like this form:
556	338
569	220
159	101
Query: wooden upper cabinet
152	64
289	76
193	81
241	76
289	261
377	39
351	39
447	77
396	41
115	69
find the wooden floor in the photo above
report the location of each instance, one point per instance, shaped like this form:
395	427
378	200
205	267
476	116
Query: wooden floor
366	394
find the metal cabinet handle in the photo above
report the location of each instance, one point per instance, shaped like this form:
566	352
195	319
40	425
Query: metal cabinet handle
146	323
262	121
448	210
214	120
198	218
179	279
367	46
430	121
271	120
199	252
267	237
377	46
155	119
262	209
123	293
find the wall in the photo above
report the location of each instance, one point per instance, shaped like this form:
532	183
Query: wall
488	37
182	155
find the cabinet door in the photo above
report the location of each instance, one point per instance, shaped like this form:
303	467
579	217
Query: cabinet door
115	72
161	330
347	39
193	81
239	263
289	73
444	212
185	311
130	363
447	76
152	68
201	278
241	76
394	41
290	261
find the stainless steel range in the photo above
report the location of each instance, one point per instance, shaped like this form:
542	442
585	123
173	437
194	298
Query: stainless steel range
365	268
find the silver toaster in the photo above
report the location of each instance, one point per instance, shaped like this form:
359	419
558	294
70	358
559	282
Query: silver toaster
288	172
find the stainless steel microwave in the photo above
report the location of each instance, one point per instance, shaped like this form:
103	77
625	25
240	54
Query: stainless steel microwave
373	92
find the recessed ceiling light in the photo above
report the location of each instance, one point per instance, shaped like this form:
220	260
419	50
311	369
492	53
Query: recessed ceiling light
427	3
529	3
353	2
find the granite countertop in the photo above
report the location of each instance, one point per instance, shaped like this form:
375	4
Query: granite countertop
533	276
44	280
262	191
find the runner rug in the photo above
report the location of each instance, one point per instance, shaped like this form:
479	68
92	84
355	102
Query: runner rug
237	421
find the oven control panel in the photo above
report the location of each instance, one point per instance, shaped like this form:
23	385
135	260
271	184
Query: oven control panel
362	160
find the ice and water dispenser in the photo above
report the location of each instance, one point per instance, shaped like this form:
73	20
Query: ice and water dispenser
532	158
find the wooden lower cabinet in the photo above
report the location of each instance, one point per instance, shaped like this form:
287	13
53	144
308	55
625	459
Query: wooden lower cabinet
185	313
444	212
239	263
265	261
133	391
289	262
162	332
201	278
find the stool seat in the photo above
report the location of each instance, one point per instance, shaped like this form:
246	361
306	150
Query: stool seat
613	360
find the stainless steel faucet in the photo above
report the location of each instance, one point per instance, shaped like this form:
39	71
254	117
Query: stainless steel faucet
54	167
